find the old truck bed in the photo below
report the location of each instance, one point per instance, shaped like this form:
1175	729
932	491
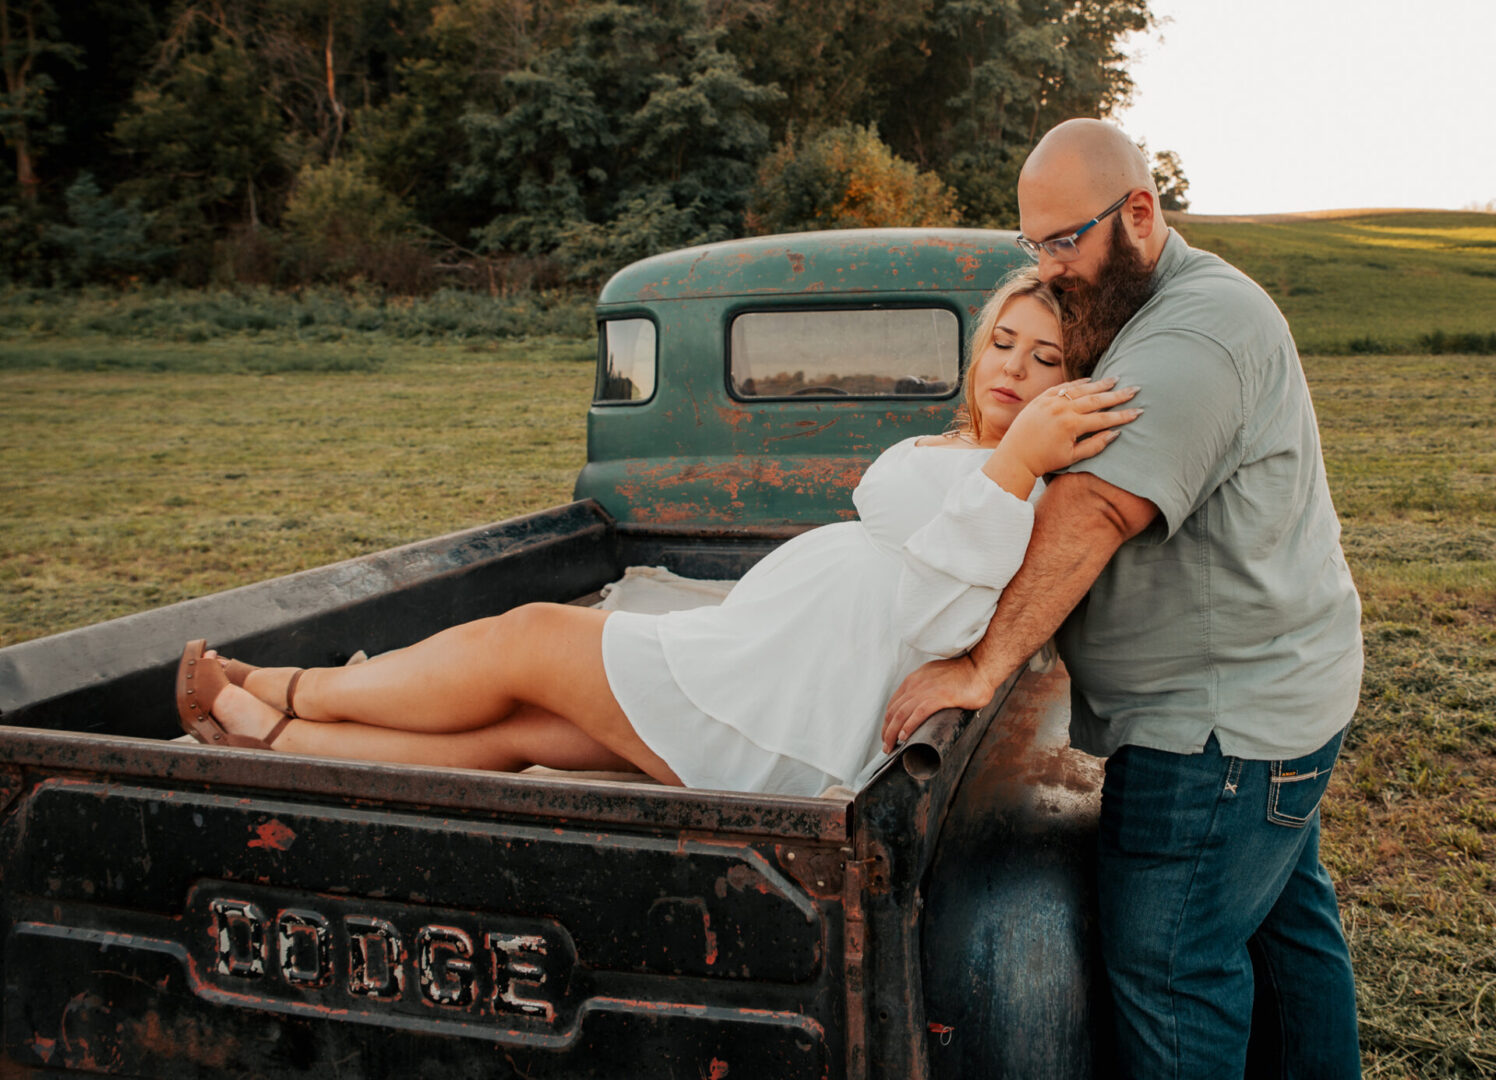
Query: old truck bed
175	910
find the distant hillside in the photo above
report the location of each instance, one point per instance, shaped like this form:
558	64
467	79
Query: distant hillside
1367	280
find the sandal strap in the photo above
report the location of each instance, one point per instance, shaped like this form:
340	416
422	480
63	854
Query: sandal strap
291	696
275	731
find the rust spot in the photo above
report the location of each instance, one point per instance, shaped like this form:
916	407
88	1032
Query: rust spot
273	835
733	418
186	1039
801	434
797	261
742	877
1031	751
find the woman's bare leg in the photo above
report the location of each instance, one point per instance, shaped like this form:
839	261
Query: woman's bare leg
468	679
528	736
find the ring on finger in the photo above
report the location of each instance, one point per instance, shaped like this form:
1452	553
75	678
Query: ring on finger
1065	393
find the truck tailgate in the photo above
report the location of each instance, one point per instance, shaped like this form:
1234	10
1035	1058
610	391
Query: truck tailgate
191	912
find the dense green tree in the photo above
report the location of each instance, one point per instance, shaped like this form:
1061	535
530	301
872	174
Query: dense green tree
414	142
836	61
205	142
584	131
102	240
638	120
339	223
1001	73
1173	187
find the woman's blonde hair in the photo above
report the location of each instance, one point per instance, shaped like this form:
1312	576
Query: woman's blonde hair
1021	282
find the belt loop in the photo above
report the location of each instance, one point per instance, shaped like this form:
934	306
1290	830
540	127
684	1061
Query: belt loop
1233	774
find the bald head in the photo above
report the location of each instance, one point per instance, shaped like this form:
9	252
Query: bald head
1091	157
1079	169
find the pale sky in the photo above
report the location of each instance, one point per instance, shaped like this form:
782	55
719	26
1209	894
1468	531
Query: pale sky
1283	105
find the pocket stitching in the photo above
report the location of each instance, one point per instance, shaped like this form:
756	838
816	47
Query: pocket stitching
1275	785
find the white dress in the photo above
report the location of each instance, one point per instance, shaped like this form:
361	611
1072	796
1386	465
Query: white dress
782	688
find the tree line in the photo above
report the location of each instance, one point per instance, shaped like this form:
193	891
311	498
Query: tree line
494	143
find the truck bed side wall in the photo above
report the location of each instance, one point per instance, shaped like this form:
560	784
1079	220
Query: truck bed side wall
116	677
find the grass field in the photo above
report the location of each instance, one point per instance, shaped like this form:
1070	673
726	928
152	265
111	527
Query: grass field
127	488
140	469
1368	283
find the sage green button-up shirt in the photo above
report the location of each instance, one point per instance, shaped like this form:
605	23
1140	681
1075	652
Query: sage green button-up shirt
1234	612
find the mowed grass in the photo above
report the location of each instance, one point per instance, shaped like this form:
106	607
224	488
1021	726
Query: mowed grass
126	488
135	471
1367	283
1410	821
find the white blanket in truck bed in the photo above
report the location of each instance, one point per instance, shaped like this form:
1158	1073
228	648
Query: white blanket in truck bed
653	590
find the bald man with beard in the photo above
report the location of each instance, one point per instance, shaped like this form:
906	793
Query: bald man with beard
1194	580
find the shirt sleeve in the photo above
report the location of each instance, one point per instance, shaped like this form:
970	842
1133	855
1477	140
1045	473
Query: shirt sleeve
957	565
1188	439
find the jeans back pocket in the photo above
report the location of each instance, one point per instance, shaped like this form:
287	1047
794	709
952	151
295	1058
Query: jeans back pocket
1296	786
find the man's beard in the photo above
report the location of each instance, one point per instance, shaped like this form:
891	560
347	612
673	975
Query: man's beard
1095	313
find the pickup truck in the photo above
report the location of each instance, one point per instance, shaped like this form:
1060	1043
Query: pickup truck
172	910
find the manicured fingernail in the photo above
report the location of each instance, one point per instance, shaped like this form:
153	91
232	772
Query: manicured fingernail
1131	389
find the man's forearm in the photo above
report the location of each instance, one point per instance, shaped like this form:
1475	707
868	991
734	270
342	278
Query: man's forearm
1078	525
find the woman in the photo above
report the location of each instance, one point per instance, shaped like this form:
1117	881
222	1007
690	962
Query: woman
779	689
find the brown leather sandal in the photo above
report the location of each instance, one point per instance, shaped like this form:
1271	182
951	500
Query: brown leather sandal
199	682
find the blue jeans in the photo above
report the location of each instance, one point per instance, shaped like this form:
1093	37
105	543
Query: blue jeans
1208	864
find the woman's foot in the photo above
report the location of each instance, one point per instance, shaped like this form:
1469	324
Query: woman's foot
214	711
276	687
242	715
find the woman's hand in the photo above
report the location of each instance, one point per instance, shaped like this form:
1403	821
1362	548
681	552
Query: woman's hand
1067	423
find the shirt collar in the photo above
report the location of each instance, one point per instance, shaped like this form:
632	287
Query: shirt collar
1171	259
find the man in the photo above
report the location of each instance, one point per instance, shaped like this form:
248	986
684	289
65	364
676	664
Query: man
1213	633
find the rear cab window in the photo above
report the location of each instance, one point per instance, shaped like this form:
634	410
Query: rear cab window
844	352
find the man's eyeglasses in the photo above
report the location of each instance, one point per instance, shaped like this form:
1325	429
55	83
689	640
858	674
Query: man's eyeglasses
1066	248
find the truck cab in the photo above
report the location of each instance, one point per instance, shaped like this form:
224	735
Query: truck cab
173	910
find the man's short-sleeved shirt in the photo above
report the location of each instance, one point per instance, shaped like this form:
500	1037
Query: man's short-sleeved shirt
1234	612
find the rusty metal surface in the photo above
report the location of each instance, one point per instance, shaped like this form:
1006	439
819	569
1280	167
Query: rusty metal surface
897	827
469	790
1010	954
265	904
886	261
164	929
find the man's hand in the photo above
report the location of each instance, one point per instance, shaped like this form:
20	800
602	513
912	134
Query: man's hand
940	684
